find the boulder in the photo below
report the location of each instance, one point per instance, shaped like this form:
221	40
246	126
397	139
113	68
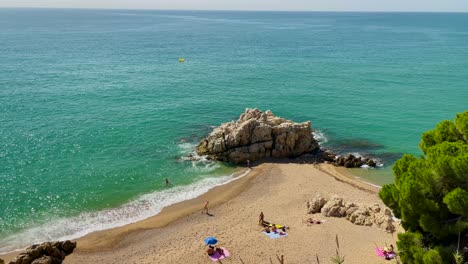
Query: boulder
47	260
45	253
358	214
257	135
2	261
316	204
68	246
333	207
350	161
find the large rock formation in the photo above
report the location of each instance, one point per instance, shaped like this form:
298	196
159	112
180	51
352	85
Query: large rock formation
45	253
258	135
358	214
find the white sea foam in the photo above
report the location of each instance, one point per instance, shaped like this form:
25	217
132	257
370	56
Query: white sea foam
143	207
188	154
320	137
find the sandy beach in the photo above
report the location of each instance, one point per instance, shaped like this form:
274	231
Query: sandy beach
280	190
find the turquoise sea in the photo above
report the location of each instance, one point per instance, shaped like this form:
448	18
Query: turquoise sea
96	111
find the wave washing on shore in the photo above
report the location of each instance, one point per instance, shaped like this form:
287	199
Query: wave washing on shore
142	208
98	127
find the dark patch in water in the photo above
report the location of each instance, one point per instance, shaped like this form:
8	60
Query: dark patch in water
388	158
362	146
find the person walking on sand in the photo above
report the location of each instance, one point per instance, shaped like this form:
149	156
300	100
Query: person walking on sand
248	164
261	218
205	208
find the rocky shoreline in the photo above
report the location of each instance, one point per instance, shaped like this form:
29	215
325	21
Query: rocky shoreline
45	253
257	135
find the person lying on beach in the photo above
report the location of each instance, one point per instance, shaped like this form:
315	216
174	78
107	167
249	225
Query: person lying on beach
273	229
265	223
267	229
313	221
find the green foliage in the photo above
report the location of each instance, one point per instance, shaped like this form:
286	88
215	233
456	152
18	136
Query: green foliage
458	257
461	123
338	258
457	202
430	194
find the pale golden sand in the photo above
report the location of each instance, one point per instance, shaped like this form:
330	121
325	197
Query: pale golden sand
280	190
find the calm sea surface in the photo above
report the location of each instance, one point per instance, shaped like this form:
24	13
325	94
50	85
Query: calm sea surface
96	111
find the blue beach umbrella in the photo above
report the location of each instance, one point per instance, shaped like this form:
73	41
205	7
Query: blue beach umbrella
211	241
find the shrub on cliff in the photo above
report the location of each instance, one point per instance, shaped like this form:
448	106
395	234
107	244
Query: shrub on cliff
430	195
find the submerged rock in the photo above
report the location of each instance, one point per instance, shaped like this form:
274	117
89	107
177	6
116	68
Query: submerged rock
258	135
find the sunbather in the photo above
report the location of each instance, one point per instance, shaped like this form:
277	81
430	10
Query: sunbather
265	223
220	250
313	221
211	251
388	252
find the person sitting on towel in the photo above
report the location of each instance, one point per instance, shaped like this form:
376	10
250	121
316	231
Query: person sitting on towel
267	229
210	250
388	252
273	229
220	250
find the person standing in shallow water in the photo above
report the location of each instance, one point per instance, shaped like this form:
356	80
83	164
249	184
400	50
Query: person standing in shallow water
167	183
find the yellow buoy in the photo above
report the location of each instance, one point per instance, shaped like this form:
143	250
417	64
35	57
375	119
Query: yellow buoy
181	60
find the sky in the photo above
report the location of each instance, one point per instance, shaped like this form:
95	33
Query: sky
285	5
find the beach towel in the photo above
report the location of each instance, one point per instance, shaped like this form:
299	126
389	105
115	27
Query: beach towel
380	253
275	235
217	256
265	223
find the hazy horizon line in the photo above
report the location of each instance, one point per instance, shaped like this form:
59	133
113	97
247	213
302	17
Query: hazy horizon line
233	10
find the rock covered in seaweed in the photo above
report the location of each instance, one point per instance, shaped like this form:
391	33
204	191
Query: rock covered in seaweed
258	135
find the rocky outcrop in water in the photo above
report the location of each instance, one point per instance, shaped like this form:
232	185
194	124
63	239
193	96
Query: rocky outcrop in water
258	135
45	253
358	214
351	161
348	161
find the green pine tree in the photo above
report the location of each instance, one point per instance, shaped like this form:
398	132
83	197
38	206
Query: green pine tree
430	195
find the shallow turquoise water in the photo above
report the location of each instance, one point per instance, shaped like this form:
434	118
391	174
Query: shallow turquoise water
96	111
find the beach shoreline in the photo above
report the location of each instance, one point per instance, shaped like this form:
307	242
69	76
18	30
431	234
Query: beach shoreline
104	244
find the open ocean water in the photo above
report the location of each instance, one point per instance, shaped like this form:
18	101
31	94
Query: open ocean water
96	111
